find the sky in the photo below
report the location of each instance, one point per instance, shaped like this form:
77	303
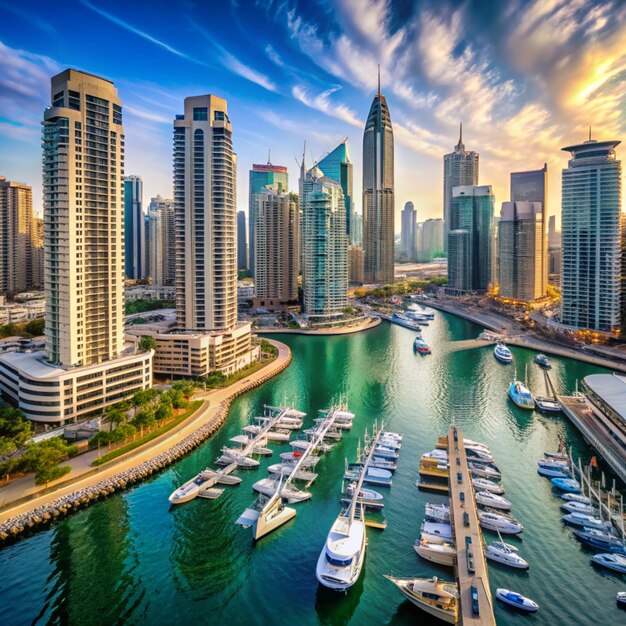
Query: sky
526	77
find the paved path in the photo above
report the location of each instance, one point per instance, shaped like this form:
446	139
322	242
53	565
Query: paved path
342	330
83	474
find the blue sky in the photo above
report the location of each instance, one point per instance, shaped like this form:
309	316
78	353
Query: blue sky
525	77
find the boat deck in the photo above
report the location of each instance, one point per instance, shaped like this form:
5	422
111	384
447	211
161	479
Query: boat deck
471	567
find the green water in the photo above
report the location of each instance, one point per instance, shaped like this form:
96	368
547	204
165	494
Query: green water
133	560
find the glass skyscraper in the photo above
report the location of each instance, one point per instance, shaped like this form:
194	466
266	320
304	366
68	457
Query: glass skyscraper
134	228
591	237
408	232
460	167
337	165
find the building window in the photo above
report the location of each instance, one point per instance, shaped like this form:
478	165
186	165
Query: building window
219	115
200	114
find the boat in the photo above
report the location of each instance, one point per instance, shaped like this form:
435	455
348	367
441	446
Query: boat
385	452
620	598
381	463
286	469
567	484
586	521
521	396
303	444
269	486
373	476
190	489
405	322
485	498
556	455
437	512
615	562
474	454
389	442
421	319
575	497
505	554
487	485
549	405
366	494
553	463
542	360
391	435
502	353
440	553
552	472
483	471
578	507
476	445
341	559
499	523
230	455
517	600
436	597
420	346
436	532
600	540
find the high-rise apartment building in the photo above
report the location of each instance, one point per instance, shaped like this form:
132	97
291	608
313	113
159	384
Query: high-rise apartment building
521	245
408	232
554	252
162	241
16	237
470	261
134	228
262	176
460	167
242	241
87	365
429	240
337	165
591	222
357	230
277	263
325	246
355	263
378	193
38	260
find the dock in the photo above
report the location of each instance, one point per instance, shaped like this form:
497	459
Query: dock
470	565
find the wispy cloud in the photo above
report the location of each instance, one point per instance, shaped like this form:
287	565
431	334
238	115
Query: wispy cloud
243	70
140	33
150	116
323	103
273	56
29	17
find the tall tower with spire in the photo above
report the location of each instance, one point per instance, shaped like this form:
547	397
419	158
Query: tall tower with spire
460	167
378	193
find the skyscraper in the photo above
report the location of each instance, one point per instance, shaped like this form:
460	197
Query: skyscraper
277	262
163	245
591	236
325	244
357	230
242	241
470	261
336	164
16	237
554	252
430	240
37	252
521	251
408	232
378	193
134	228
460	167
156	265
87	364
262	176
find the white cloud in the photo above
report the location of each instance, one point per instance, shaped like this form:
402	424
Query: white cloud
236	66
322	102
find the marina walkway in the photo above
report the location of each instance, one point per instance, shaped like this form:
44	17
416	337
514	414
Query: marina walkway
471	567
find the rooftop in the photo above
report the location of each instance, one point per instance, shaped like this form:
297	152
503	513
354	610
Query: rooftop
611	388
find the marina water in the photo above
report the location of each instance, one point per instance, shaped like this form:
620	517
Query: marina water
133	560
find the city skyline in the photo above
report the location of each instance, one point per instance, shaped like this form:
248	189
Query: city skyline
311	76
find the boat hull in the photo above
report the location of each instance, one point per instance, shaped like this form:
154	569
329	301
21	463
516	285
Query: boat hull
445	616
434	555
528	606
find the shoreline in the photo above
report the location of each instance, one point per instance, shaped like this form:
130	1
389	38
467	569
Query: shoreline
32	512
322	332
527	340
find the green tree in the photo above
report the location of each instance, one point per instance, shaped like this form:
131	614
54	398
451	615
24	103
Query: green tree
164	412
15	430
115	417
35	327
144	419
122	432
147	343
48	473
43	456
186	387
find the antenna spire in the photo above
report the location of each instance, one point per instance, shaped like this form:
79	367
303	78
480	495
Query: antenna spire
269	156
589	132
460	132
379	80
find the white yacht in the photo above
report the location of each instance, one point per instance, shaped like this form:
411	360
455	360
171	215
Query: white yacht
189	490
436	597
578	507
505	554
229	455
436	532
341	560
269	486
615	562
517	600
487	485
483	471
441	553
366	494
286	469
438	512
392	435
576	497
499	523
485	498
562	463
502	353
586	521
295	456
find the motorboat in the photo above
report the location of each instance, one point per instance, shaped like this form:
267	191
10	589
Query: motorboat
487	485
287	469
575	497
517	600
620	598
547	404
553	463
436	532
474	454
436	597
391	435
552	472
385	452
269	486
499	523
365	494
389	442
476	445
567	484
420	346
600	540
420	318
436	454
373	476
405	322
483	471
230	455
586	521
303	444
341	559
502	353
556	455
189	490
505	554
441	553
578	507
296	455
334	434
542	361
291	423
521	396
437	512
258	446
615	562
381	463
485	498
